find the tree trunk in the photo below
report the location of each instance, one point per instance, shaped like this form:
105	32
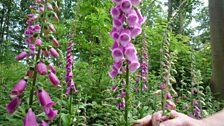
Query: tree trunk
216	11
169	9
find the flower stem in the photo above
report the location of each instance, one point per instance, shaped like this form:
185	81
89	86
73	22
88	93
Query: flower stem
127	95
70	109
34	80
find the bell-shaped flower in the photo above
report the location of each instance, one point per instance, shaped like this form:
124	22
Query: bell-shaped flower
19	87
52	68
132	19
135	31
45	99
133	66
131	53
113	73
115	45
168	96
117	1
144	87
55	42
136	2
30	119
37	28
140	17
54	79
49	7
117	54
46	53
54	53
50	113
124	37
30	73
115	12
51	27
126	6
41	68
38	42
118	22
13	105
21	56
43	123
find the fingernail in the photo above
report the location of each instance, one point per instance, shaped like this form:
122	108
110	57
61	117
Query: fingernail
161	125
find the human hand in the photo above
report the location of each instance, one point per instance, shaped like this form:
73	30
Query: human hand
177	119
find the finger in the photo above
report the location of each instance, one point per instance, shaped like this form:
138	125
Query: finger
156	118
172	122
146	121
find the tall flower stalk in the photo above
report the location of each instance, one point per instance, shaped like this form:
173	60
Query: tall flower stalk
39	31
127	22
69	74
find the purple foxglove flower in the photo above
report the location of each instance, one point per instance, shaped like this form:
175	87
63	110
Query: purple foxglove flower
195	103
41	68
46	53
117	54
68	91
52	68
115	12
19	87
133	66
21	56
114	88
136	2
123	103
113	73
38	42
50	113
30	119
117	1
141	18
118	22
54	53
170	105
54	79
126	6
42	9
132	19
38	1
130	53
115	35
124	37
168	95
186	107
135	31
37	28
30	73
43	123
144	87
45	99
49	7
55	42
51	26
162	86
122	92
13	105
115	45
32	47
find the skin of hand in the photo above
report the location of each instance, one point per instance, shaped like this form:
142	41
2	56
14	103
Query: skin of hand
179	119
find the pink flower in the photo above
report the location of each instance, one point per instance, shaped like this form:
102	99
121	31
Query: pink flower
30	119
19	87
41	68
54	53
136	2
45	99
55	42
13	105
49	7
126	6
168	96
51	26
132	19
115	12
21	56
38	42
133	66
54	80
43	123
52	68
117	54
50	113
